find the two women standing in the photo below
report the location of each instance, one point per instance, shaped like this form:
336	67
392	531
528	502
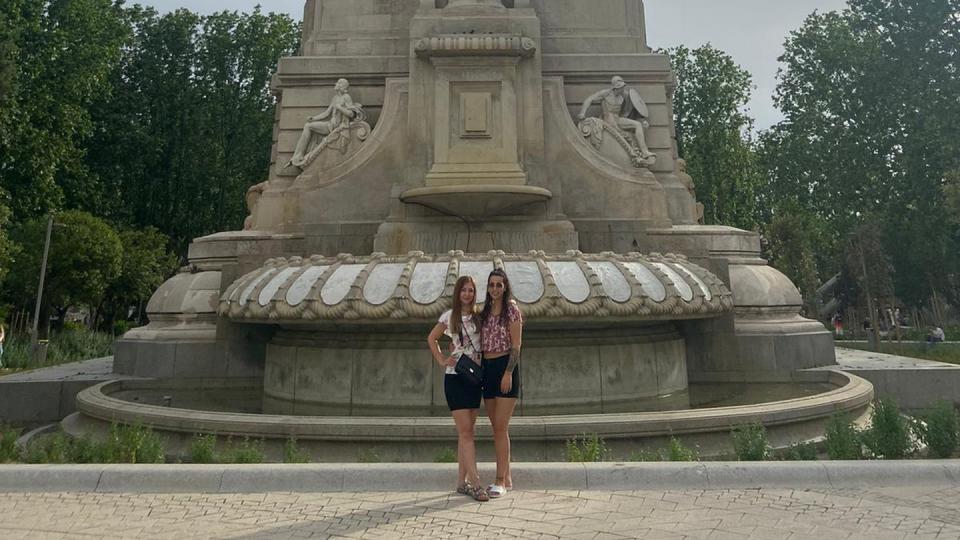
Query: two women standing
492	340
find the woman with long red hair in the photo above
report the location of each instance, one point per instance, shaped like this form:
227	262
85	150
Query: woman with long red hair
461	324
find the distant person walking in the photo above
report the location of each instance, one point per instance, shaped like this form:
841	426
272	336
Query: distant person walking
3	337
501	335
936	335
462	325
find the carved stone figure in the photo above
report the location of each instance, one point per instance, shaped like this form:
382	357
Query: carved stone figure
687	182
624	115
342	120
253	199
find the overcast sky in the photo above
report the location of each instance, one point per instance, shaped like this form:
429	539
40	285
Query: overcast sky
751	31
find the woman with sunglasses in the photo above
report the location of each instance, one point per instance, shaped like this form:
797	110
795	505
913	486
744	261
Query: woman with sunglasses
501	335
462	325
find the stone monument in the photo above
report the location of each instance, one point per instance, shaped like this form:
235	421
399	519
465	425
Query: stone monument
482	154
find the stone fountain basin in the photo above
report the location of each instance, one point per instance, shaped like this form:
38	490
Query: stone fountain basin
535	438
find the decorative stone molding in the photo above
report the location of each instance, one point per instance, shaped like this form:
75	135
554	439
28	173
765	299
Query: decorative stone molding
419	287
475	45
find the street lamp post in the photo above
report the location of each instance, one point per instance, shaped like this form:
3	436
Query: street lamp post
43	273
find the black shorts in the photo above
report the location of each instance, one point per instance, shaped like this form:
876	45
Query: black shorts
493	370
460	393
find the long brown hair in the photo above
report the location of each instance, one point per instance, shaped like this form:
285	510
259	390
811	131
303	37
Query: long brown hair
507	298
456	315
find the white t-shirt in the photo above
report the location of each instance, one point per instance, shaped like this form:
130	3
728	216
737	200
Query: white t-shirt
470	345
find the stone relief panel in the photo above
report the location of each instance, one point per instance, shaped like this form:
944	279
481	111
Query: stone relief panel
334	134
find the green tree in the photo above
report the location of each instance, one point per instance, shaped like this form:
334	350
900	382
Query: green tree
55	61
85	258
871	132
145	264
790	248
187	127
713	133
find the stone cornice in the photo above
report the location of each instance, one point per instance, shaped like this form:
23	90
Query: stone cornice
475	45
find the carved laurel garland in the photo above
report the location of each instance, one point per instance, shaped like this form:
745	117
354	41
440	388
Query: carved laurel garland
401	306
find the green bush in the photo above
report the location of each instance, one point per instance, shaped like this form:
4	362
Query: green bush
248	451
843	441
446	455
54	448
71	345
8	444
133	444
203	448
368	455
889	435
938	430
678	452
293	453
750	442
586	448
806	451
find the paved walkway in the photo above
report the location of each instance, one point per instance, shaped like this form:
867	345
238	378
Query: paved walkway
767	514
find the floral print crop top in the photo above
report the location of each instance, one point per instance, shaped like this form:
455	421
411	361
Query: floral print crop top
496	335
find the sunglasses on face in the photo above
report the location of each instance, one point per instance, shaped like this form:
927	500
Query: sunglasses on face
495	285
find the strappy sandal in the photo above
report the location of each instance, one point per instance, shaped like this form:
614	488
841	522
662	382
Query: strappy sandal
497	490
478	493
464	488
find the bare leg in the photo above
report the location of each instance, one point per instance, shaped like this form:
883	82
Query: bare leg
320	128
500	411
636	128
466	446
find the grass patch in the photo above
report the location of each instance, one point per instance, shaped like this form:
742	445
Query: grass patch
937	428
676	451
71	345
585	449
292	453
446	455
750	442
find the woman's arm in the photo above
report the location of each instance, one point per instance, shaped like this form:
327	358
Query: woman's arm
516	338
433	343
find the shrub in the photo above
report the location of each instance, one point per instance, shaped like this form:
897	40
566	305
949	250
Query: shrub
446	455
54	448
805	451
293	453
248	451
843	441
133	444
750	442
368	455
939	430
586	448
888	436
678	452
203	448
8	444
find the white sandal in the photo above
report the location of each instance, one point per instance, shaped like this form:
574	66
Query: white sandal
496	491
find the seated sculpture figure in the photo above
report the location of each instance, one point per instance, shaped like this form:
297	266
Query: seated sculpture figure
624	113
334	125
